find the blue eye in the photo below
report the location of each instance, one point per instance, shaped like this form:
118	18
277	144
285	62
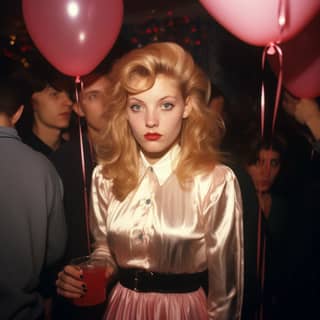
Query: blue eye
167	106
135	107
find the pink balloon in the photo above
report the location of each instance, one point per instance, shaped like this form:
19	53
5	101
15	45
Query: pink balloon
73	35
301	62
256	21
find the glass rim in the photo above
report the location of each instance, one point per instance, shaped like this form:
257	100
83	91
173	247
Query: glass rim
88	259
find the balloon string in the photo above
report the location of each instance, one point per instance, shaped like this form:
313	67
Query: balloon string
271	48
259	241
262	108
261	260
279	86
259	245
79	85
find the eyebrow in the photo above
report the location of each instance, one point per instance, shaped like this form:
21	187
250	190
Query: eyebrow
168	97
161	99
90	92
135	99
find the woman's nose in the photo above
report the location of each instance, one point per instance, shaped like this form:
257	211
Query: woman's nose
152	119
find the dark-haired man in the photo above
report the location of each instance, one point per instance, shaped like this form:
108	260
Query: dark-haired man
48	105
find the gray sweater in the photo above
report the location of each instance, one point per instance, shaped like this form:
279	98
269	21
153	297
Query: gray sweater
32	225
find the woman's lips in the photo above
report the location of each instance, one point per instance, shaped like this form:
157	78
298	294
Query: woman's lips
152	136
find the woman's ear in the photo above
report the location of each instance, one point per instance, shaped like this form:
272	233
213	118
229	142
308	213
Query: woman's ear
187	108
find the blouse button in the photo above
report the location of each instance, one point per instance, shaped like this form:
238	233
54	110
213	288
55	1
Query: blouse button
148	201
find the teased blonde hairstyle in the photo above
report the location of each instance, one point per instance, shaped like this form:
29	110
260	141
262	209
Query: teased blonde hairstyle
135	72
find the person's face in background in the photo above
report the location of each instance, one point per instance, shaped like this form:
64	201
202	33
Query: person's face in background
265	170
51	108
156	115
93	103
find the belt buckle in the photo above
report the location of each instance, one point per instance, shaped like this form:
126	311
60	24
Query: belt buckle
136	280
138	276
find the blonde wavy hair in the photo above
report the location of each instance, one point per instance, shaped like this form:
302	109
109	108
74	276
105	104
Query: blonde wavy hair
118	151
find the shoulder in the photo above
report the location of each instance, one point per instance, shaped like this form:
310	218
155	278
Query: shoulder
222	170
215	181
43	166
34	158
101	187
98	176
31	165
98	171
220	174
66	151
66	148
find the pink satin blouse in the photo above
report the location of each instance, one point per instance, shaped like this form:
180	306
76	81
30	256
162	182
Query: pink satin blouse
163	228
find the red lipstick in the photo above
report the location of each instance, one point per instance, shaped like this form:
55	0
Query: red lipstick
152	136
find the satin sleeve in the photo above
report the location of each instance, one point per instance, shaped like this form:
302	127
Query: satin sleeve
224	243
99	204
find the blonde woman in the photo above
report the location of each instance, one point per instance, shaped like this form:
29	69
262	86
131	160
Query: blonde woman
164	211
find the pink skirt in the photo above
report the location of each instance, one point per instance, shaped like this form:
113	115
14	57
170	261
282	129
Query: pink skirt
126	304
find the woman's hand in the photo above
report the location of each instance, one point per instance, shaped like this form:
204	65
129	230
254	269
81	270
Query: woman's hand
69	283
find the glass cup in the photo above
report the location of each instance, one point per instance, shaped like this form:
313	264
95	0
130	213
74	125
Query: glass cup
94	275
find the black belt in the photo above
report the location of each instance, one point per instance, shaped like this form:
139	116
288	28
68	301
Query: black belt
146	281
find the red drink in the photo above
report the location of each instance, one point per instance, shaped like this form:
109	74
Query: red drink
95	278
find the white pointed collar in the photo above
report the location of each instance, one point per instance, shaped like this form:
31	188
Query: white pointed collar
164	166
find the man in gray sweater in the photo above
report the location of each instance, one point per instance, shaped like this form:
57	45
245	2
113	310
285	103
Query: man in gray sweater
32	222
